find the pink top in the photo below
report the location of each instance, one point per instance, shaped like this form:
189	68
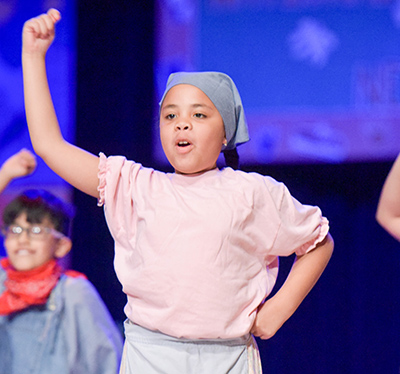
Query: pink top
196	255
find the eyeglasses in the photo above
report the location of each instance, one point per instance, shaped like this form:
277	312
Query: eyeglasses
33	232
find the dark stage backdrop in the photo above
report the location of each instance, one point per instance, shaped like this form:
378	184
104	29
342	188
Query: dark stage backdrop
350	321
114	113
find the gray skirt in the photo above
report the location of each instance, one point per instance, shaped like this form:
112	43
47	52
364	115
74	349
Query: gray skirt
150	352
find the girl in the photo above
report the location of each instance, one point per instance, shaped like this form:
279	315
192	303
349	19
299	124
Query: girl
197	250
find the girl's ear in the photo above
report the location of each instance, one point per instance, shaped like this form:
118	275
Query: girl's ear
63	247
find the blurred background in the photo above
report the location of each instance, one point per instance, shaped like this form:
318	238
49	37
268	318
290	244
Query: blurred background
320	84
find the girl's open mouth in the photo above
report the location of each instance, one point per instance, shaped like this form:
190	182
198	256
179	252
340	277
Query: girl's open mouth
183	143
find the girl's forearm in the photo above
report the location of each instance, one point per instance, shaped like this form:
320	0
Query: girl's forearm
73	164
305	272
42	121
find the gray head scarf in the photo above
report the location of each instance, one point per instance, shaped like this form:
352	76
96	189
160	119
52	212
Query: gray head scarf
221	90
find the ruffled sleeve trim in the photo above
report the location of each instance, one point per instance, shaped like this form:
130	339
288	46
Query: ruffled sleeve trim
102	175
323	232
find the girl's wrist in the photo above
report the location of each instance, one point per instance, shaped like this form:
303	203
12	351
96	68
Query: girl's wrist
5	178
33	56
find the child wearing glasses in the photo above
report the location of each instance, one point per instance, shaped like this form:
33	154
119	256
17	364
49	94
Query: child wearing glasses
195	250
51	321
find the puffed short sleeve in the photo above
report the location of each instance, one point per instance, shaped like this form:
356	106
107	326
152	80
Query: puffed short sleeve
301	227
117	177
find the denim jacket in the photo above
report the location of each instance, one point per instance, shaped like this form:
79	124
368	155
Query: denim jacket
73	333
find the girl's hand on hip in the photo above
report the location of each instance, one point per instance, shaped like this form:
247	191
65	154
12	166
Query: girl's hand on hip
269	320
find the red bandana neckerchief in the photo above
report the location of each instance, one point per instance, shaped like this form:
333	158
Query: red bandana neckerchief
32	287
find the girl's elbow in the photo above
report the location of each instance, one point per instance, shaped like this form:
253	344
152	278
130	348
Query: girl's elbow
42	152
383	218
331	241
328	243
47	150
379	219
391	224
326	247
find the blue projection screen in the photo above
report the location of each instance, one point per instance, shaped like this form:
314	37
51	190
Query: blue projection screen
319	79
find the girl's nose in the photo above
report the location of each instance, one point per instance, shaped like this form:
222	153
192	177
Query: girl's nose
24	236
183	125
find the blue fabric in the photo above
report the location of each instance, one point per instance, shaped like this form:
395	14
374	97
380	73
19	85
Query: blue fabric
72	334
222	91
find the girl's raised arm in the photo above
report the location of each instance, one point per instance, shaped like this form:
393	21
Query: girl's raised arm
388	212
73	164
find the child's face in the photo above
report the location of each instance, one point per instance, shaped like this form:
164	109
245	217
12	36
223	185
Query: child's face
191	130
26	252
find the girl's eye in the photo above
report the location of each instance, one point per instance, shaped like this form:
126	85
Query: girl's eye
170	116
200	115
37	230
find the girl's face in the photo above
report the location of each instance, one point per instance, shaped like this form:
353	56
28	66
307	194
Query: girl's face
26	252
191	130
